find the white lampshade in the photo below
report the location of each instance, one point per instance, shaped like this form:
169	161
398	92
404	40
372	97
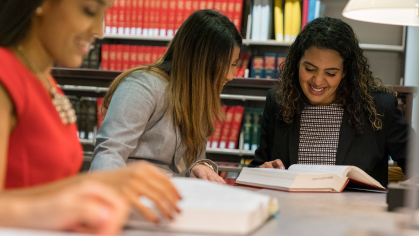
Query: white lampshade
393	12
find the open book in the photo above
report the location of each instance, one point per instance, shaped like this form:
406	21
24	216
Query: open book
309	178
212	208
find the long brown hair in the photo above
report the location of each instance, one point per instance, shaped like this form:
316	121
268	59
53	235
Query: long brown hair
195	64
356	88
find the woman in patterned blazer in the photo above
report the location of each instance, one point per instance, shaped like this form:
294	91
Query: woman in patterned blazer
328	108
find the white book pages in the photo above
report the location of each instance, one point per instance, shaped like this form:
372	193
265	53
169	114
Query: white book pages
212	208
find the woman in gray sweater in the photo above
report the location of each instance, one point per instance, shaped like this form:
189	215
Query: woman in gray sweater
164	112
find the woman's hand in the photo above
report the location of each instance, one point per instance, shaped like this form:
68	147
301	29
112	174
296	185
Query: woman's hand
204	172
87	207
143	179
277	164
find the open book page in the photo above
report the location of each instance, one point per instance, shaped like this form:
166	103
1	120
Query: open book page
320	169
267	177
213	208
356	173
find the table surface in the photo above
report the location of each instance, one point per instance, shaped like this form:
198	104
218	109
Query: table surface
347	213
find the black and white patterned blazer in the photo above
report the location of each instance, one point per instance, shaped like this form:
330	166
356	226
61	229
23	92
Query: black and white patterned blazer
368	151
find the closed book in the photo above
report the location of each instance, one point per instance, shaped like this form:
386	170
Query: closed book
152	22
304	14
211	209
128	13
195	5
163	17
217	5
296	19
310	178
270	65
244	65
105	57
100	113
171	19
317	10
115	12
236	123
156	24
311	10
140	56
180	11
279	21
140	17
146	18
226	130
133	56
256	16
134	16
237	18
210	4
257	67
125	57
265	20
154	54
256	115
217	131
85	62
288	20
247	128
224	7
121	17
112	57
118	55
188	9
202	4
147	55
108	20
280	59
94	57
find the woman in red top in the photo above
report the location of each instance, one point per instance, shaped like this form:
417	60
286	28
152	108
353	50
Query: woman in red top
38	142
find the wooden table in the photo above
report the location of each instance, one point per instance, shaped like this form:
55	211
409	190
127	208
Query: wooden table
315	214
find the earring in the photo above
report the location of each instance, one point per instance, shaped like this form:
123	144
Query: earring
39	10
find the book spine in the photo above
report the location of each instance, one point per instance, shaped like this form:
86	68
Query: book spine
147	55
296	19
134	13
115	10
157	16
226	128
140	17
203	4
195	5
235	128
288	21
125	57
180	11
152	18
238	9
163	20
118	65
279	60
230	10
132	56
244	64
311	10
270	67
128	13
217	5
279	21
210	4
305	14
121	16
100	115
188	9
257	113
171	19
108	21
257	67
146	17
247	129
224	7
217	130
105	57
140	56
154	54
94	57
112	57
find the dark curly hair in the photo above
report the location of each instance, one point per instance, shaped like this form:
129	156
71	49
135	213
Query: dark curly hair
355	89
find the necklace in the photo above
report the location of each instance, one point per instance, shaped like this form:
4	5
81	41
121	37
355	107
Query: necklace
61	102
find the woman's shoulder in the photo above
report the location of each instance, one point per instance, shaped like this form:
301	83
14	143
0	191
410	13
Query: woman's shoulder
147	78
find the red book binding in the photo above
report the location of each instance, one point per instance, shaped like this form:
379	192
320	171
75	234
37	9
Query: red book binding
202	4
146	17
171	19
244	65
153	17
188	9
112	57
163	16
140	56
231	5
210	4
118	65
134	10
238	9
224	7
105	57
215	136
195	5
180	9
115	11
132	56
128	13
154	54
121	17
305	14
226	130
236	123
147	55
217	5
108	20
140	17
125	57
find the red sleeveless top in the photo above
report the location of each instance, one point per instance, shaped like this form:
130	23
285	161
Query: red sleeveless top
41	148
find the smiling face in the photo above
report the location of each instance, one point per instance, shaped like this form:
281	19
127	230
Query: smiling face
320	73
67	28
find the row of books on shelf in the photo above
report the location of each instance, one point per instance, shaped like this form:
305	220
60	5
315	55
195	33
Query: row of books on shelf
86	112
288	18
117	57
162	17
267	66
226	134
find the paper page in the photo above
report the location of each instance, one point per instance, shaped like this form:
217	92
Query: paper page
267	177
360	175
316	169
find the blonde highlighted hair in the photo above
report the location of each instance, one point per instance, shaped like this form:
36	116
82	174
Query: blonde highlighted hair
195	65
